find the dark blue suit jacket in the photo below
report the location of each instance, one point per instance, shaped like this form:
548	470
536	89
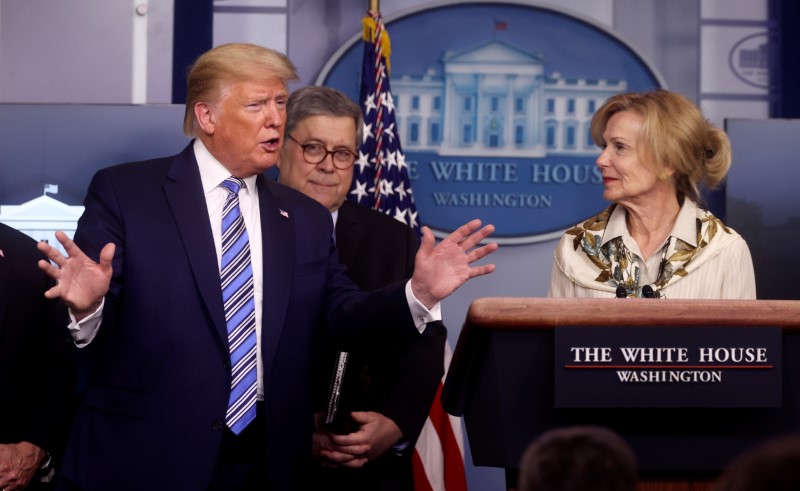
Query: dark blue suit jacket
36	379
378	250
24	402
398	380
153	414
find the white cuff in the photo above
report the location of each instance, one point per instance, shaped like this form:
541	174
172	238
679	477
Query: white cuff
84	331
419	312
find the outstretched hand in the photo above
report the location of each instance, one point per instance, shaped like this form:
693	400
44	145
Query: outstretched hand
441	269
81	283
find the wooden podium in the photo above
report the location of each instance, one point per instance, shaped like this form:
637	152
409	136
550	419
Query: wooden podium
501	380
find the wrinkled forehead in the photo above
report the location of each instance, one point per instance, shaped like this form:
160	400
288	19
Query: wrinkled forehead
251	82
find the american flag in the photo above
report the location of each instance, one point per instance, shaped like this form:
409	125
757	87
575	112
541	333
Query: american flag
380	180
380	176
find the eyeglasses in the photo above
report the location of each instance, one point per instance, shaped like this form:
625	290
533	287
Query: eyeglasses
314	153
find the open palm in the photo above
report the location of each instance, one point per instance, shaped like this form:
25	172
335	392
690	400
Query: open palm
81	283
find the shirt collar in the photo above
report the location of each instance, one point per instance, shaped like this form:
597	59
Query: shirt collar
212	172
684	228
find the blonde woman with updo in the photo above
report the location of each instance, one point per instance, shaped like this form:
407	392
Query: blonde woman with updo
655	240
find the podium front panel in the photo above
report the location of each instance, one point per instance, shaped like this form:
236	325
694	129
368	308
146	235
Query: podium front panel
501	380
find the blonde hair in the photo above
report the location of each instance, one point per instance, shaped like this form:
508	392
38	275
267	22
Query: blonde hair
675	135
232	62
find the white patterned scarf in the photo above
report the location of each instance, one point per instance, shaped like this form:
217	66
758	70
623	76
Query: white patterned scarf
593	263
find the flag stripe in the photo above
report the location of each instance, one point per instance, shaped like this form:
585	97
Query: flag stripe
453	460
428	477
442	462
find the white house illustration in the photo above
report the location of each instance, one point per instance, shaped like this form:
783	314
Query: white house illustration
41	217
497	100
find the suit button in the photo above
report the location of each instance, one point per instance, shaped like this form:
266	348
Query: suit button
218	425
227	365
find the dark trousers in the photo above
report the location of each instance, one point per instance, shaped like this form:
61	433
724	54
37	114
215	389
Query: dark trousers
242	461
390	472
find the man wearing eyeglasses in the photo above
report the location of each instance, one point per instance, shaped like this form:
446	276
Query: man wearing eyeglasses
390	388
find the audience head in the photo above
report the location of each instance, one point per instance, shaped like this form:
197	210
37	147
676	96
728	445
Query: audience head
323	128
580	458
770	466
675	140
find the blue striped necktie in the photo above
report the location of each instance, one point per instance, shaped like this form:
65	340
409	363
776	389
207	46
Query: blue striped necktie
236	274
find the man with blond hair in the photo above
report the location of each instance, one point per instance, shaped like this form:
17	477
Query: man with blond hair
198	289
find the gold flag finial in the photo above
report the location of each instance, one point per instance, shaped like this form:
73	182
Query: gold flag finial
373	32
374	5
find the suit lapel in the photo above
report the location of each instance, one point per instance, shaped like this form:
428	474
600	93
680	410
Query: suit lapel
184	192
348	233
278	251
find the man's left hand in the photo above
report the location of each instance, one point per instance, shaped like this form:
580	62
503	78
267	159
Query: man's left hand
441	269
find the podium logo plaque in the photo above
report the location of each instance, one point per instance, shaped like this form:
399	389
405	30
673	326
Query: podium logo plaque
603	367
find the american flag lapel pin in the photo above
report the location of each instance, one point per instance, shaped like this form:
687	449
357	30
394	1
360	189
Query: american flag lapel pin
284	214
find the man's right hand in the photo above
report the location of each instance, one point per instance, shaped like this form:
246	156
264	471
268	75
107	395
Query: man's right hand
330	454
81	283
18	464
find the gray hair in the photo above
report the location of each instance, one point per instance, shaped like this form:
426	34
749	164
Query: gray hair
318	100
